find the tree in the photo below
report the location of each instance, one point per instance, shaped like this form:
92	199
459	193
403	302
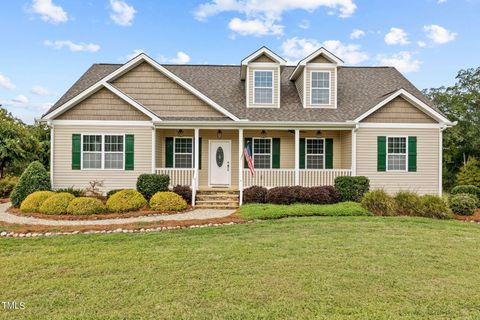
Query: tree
470	173
461	103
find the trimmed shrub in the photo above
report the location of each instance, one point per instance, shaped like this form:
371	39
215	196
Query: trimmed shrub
85	205
379	203
71	190
320	195
126	200
112	192
435	207
34	178
463	203
352	188
184	191
281	195
6	186
255	194
408	203
149	183
57	203
470	189
167	201
34	200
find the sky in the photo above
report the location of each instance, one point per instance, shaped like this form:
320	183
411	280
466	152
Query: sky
49	44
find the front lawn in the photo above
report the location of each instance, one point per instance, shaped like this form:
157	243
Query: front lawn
276	211
299	268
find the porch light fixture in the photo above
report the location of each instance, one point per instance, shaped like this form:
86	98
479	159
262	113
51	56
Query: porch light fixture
219	134
263	133
180	132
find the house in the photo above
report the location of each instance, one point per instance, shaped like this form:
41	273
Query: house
306	125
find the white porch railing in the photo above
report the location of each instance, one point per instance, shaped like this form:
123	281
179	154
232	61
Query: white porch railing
326	177
182	177
269	177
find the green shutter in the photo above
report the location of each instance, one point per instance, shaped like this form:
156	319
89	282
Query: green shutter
302	153
381	153
276	153
199	153
412	154
169	152
129	151
76	151
247	140
329	153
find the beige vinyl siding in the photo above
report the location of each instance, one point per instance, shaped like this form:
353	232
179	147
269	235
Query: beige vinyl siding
64	176
263	58
399	110
103	105
276	93
424	180
333	89
299	85
162	95
320	59
346	146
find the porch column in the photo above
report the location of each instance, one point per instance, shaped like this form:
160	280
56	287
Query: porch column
154	147
354	152
196	165
297	157
240	165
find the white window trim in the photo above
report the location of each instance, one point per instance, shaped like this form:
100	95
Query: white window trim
306	154
271	152
406	154
329	88
175	153
103	151
273	85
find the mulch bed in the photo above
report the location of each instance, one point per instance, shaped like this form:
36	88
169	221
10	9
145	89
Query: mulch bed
4	200
474	217
130	214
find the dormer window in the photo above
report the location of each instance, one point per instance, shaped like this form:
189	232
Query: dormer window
320	88
263	87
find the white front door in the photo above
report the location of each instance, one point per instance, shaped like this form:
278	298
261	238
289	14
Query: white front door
220	159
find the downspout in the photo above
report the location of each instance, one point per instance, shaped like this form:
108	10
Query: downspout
52	148
440	159
354	150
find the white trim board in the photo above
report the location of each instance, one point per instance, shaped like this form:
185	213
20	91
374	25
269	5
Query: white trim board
101	123
336	61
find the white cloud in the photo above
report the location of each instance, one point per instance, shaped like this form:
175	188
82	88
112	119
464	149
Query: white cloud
304	24
267	13
59	44
421	44
132	54
255	27
396	36
40	91
438	34
357	33
403	61
298	48
48	11
122	13
20	99
180	58
6	83
441	1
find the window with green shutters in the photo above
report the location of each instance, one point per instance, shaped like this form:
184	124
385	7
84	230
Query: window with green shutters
76	151
397	153
316	153
179	152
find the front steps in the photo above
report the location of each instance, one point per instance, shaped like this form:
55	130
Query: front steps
217	199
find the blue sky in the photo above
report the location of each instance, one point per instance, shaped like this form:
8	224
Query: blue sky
48	44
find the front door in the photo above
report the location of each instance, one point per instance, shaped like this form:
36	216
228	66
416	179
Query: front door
220	158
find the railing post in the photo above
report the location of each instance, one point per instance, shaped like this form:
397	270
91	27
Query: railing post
353	165
154	147
297	157
240	165
196	164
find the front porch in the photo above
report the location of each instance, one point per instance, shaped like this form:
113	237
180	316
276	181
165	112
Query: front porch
207	158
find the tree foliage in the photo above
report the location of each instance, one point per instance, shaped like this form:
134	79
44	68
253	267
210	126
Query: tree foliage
469	173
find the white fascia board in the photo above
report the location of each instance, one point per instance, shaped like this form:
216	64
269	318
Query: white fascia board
266	51
373	125
412	99
256	125
313	55
100	123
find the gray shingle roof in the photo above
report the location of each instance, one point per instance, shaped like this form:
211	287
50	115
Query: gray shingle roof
359	89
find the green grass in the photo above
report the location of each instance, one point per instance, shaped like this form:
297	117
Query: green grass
276	211
302	268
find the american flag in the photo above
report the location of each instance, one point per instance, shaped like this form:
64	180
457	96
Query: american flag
248	157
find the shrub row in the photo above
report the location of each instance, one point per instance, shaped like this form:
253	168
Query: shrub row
289	195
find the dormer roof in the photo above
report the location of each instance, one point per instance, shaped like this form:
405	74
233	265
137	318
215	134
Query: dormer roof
263	51
333	59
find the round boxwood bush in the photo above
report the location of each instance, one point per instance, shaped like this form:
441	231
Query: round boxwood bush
352	188
112	192
85	205
184	191
126	200
379	202
463	203
470	189
149	183
167	201
57	203
34	178
435	207
408	203
33	201
255	194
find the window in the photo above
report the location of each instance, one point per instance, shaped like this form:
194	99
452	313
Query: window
397	154
315	153
320	88
262	153
103	151
263	87
183	153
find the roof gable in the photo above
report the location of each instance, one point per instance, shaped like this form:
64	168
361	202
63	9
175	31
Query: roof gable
321	55
399	110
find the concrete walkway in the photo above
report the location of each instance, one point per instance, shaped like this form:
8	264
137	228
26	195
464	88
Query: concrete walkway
197	214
